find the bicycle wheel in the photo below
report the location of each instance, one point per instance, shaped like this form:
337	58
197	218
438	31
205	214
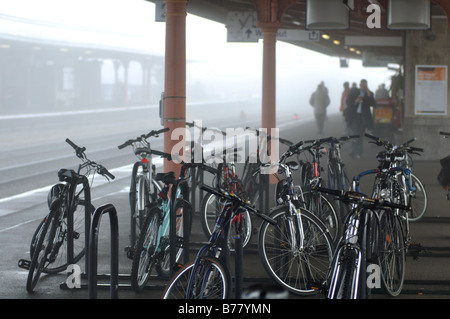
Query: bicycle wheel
419	200
42	249
139	199
392	253
163	267
295	265
206	278
212	206
144	258
318	204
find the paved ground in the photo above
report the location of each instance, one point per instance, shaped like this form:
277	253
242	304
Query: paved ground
427	277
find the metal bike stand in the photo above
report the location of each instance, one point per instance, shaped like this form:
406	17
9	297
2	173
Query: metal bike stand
173	231
93	250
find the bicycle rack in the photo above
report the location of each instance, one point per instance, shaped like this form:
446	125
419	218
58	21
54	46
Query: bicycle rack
172	228
93	247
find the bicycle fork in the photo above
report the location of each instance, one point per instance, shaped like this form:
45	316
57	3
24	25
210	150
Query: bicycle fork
346	269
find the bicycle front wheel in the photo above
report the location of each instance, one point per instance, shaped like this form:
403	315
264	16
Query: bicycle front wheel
42	250
296	252
59	261
144	258
206	278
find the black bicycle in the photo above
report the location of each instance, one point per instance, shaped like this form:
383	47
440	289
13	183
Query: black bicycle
208	276
62	236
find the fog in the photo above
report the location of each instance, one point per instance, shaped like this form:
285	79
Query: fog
216	70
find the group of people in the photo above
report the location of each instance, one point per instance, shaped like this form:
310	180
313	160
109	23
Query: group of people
355	106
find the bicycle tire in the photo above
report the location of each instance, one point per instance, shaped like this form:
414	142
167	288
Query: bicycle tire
211	209
144	257
180	286
419	201
41	251
392	257
298	270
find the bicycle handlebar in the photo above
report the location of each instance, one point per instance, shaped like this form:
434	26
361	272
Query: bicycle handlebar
240	202
143	136
79	151
357	197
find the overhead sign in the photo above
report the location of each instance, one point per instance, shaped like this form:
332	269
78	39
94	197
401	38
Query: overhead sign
160	11
241	27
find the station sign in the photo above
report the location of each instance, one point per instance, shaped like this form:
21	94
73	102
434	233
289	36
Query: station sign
241	27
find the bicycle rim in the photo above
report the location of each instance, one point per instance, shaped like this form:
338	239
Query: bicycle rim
206	278
297	269
59	253
419	200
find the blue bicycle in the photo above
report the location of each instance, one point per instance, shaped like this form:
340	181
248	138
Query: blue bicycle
165	232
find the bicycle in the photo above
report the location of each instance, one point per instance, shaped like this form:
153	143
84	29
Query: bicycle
144	188
400	155
314	201
157	248
208	276
393	183
369	231
226	179
67	224
337	176
296	251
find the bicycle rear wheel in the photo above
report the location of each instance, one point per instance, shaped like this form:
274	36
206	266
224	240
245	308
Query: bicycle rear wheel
296	265
392	253
206	278
419	200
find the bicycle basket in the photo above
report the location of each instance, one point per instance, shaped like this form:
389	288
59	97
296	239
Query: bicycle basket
444	174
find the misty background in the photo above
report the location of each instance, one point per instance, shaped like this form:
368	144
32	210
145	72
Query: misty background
216	70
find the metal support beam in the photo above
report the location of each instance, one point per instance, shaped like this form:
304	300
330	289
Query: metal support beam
175	79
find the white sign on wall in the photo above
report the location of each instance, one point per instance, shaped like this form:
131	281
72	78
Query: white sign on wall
430	95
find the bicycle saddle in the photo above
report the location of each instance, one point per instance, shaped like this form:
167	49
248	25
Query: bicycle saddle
166	178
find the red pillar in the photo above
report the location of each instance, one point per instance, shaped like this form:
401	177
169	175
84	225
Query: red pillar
175	80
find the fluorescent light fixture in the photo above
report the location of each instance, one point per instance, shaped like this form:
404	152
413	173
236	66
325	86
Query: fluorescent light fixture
409	15
327	15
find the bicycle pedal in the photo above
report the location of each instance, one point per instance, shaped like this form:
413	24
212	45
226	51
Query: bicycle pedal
25	264
130	252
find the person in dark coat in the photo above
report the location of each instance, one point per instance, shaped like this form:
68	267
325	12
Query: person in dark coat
358	114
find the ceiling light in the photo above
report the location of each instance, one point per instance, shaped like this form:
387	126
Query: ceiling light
337	42
325	36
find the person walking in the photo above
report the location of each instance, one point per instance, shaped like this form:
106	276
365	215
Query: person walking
359	115
320	100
